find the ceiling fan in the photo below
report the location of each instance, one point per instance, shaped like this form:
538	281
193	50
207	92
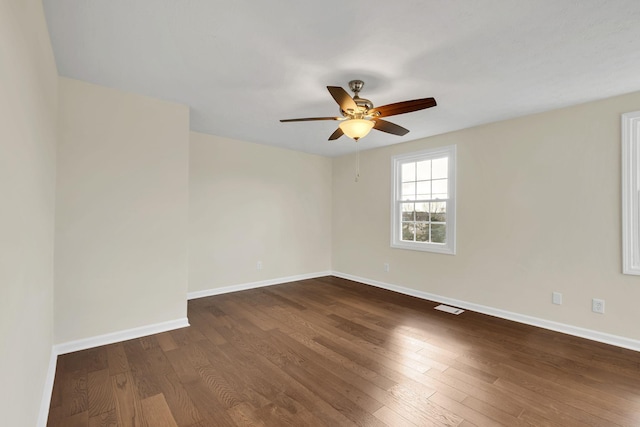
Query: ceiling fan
359	115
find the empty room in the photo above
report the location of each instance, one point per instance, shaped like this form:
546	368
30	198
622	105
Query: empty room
410	213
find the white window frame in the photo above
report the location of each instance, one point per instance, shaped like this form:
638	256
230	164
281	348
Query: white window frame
396	217
631	193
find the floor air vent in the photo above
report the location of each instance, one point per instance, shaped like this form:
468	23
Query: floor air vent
448	309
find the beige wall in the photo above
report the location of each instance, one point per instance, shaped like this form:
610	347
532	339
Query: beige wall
251	203
28	102
538	211
121	211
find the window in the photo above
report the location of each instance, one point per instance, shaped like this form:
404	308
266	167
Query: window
423	200
631	193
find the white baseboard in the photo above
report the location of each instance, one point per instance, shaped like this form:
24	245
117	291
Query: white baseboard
253	285
48	390
113	337
589	334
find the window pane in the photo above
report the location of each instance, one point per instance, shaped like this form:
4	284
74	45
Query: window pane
407	212
440	168
439	188
408	231
423	189
422	232
438	211
409	191
438	233
408	172
424	170
422	212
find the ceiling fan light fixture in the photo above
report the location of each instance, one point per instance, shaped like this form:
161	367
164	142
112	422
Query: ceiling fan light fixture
356	128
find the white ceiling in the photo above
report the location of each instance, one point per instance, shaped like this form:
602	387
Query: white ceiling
241	65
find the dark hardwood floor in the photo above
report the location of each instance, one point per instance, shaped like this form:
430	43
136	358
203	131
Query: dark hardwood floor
331	352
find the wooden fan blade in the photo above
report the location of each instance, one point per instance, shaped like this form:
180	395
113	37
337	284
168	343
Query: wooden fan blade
344	100
337	134
402	107
310	119
388	127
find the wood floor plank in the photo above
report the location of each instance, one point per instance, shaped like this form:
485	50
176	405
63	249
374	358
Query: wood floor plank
143	375
202	320
128	408
245	415
496	412
100	393
93	359
182	407
80	419
255	316
117	359
182	364
106	419
420	409
166	342
219	387
55	415
208	406
393	418
157	412
465	412
74	393
478	389
275	415
148	342
539	420
332	352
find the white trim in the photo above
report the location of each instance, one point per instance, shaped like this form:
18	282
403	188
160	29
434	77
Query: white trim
48	390
631	193
450	151
253	285
128	334
589	334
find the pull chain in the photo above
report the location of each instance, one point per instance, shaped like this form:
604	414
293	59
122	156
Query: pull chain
357	161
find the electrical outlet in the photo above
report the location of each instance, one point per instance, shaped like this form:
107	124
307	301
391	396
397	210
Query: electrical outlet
597	305
259	265
556	298
386	267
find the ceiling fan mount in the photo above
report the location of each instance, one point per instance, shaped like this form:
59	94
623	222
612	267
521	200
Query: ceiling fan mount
359	115
356	86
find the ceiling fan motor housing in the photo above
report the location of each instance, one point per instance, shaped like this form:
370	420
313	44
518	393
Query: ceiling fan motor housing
363	104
